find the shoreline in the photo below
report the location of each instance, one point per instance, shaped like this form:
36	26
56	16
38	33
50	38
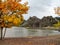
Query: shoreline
51	36
50	40
44	28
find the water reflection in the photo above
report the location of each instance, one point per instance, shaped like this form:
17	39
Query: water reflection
23	32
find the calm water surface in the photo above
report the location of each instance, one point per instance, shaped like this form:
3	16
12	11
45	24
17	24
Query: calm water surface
23	32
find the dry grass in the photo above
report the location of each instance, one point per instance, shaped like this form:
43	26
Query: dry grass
31	41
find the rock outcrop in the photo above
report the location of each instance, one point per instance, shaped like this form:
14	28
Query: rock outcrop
36	22
47	21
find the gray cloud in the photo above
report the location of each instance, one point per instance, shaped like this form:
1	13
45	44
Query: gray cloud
39	5
38	8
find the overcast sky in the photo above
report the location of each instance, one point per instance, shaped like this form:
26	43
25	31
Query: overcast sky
41	8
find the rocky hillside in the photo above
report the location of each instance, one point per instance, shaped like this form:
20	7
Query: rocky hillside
36	22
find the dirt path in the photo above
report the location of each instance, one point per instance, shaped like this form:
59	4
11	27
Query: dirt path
51	40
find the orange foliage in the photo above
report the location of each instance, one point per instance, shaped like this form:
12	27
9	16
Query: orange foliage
11	10
12	5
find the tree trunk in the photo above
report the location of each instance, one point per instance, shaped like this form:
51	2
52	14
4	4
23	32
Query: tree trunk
1	36
4	33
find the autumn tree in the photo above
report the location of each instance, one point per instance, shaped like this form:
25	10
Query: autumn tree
11	13
57	11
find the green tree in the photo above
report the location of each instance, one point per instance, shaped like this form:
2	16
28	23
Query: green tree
57	24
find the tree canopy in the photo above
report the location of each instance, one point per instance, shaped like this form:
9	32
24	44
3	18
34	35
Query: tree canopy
57	10
11	12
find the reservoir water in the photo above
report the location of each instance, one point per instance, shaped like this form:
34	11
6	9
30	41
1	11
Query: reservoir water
23	32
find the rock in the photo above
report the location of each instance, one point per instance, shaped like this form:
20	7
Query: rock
47	21
35	22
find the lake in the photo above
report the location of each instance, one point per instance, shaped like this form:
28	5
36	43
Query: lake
23	32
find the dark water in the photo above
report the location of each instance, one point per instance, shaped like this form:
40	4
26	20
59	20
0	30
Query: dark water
23	32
